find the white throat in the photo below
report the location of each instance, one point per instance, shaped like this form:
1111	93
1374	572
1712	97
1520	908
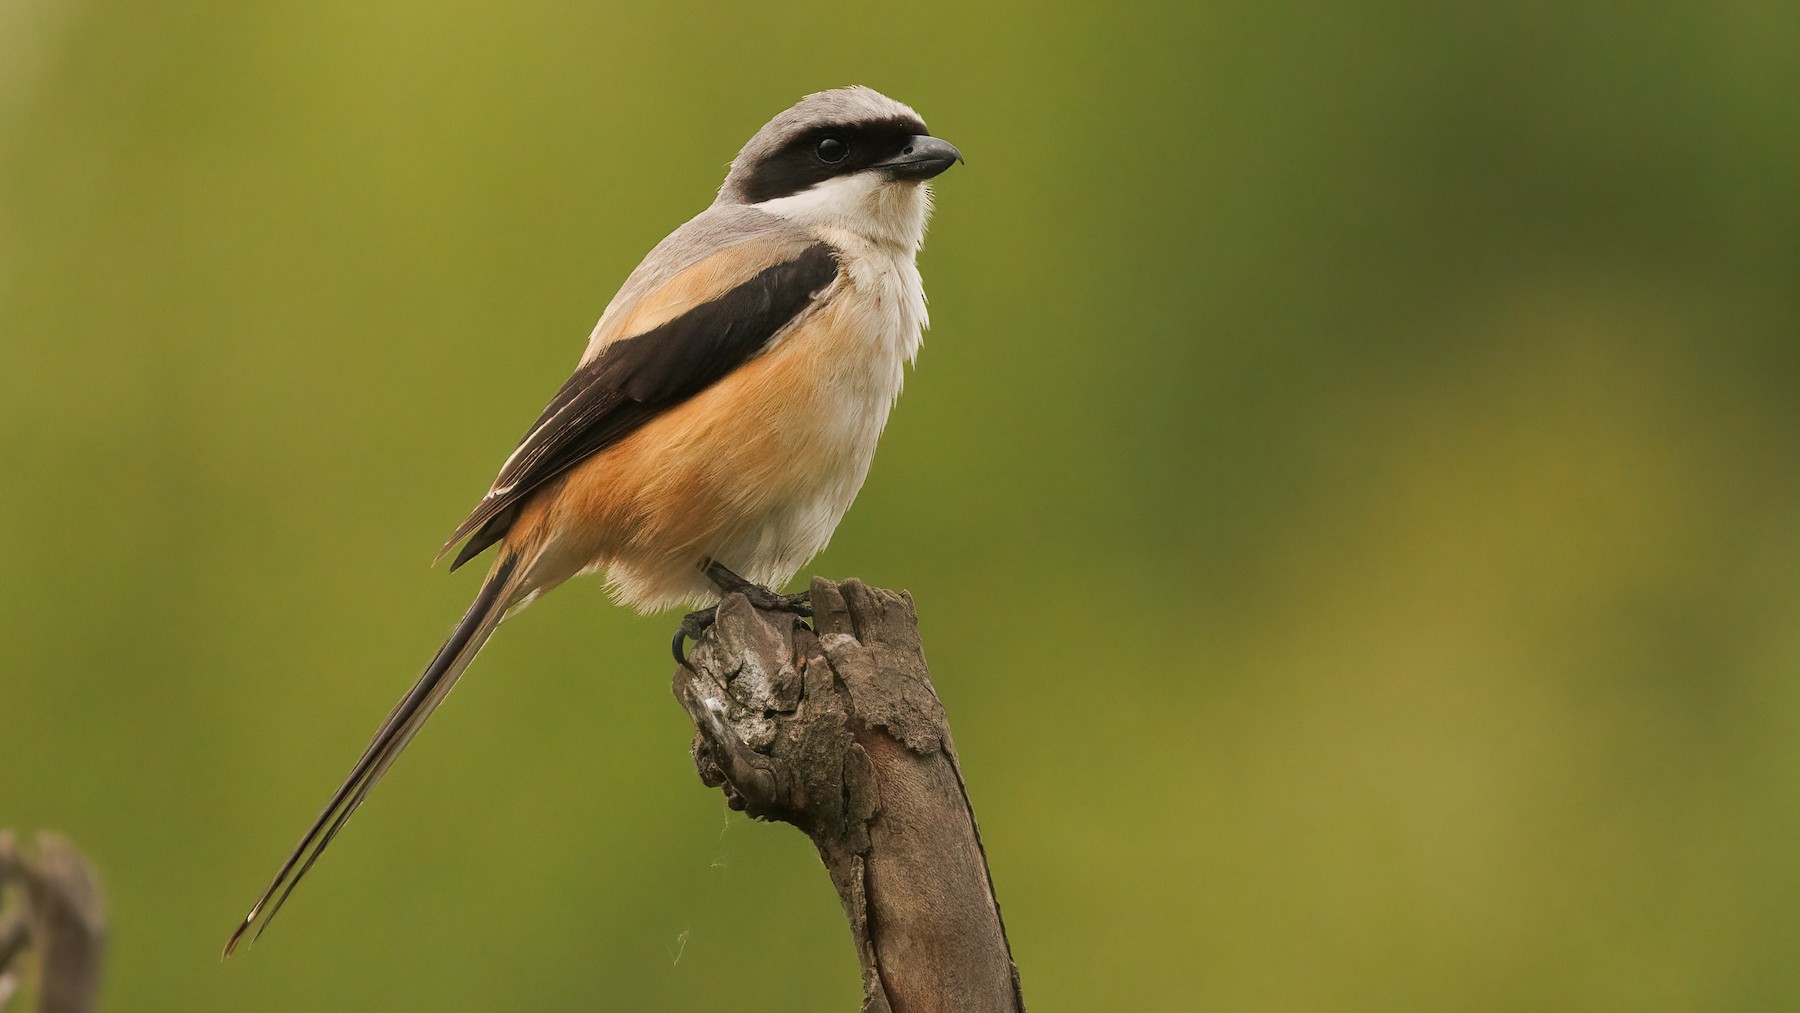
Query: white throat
865	204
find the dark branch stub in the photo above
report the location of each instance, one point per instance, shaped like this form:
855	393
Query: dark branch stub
58	916
840	734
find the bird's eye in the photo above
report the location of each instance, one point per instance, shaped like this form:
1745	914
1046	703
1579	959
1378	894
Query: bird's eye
831	150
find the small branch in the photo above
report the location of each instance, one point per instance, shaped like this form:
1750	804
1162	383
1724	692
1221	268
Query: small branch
840	734
61	918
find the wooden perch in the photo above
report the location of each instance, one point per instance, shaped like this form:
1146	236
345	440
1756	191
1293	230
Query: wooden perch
840	733
59	916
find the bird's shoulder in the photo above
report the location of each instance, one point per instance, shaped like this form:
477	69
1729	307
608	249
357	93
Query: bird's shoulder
701	261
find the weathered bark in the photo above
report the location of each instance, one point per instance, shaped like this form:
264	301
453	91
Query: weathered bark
60	918
840	733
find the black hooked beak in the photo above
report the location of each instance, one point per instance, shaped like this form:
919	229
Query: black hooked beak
922	158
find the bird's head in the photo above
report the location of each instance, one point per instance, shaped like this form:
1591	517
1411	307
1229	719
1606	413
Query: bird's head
850	159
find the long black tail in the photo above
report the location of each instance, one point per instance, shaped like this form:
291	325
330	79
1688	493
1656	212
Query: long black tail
408	717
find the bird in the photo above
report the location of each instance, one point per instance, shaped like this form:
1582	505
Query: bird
722	416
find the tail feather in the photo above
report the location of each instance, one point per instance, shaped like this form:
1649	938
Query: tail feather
408	716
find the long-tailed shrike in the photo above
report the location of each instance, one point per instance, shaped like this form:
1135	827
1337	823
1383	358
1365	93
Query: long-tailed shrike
725	411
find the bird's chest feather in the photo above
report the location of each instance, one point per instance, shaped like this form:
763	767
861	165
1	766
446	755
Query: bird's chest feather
833	379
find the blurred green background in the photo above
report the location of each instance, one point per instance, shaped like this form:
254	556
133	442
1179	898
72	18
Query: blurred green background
1350	491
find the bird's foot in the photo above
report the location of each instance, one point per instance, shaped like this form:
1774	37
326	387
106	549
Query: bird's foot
760	596
696	623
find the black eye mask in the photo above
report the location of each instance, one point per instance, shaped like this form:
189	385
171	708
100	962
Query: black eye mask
806	161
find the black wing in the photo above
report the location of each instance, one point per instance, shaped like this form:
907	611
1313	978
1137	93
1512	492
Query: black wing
634	379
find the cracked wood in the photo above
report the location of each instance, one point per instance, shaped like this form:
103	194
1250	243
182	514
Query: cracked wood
840	734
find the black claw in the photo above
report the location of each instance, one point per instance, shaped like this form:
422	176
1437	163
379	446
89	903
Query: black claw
692	625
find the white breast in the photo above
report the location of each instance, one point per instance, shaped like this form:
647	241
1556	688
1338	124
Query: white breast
876	322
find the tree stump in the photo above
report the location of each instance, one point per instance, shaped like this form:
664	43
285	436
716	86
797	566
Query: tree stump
839	733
